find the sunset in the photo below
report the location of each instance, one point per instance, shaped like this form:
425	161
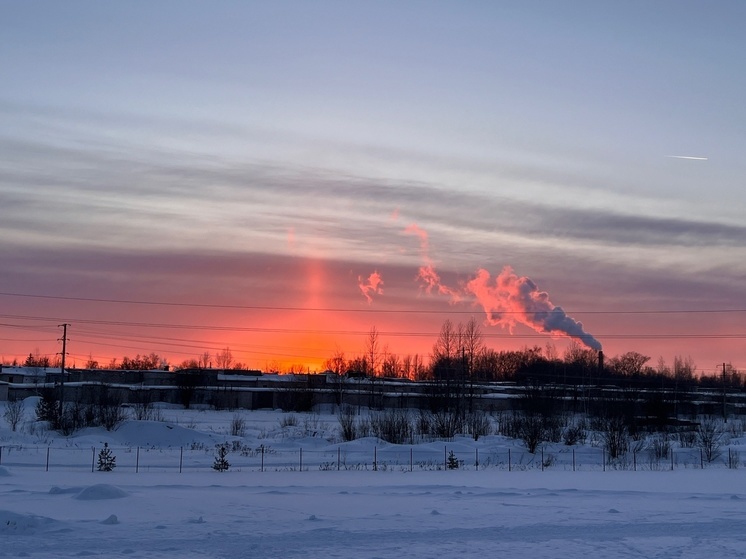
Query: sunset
372	279
281	178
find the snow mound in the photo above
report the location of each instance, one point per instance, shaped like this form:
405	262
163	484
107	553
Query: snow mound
99	492
14	523
4	472
111	520
62	491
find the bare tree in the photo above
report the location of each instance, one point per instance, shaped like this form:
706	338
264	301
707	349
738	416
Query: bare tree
709	438
336	363
472	346
615	435
224	358
446	347
14	413
391	366
629	364
373	351
472	342
372	359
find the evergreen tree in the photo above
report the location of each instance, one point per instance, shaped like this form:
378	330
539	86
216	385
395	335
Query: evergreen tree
452	461
106	460
221	464
47	408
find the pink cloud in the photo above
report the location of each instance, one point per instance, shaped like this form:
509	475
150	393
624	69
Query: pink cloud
372	286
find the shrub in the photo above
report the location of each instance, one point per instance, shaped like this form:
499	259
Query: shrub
446	424
531	432
659	447
613	432
14	412
392	426
709	437
574	433
478	425
289	421
347	423
238	425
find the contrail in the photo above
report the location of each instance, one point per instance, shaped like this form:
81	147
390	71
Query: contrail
692	157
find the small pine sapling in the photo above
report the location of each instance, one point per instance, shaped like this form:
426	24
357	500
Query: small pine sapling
106	460
221	464
452	461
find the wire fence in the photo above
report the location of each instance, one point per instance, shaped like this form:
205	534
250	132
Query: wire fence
201	458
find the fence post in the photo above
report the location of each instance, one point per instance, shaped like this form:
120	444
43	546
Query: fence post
445	457
730	459
702	460
301	459
339	454
573	459
181	458
375	458
262	466
1	455
634	460
542	458
411	459
93	457
47	468
509	460
671	458
476	462
137	461
603	458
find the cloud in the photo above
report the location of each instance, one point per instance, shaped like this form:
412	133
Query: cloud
691	157
371	286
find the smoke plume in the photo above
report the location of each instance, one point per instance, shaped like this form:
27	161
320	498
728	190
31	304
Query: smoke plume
372	286
511	299
507	300
426	273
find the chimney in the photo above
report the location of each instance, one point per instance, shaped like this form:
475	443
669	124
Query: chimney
600	361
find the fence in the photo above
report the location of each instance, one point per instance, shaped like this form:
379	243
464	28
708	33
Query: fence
200	458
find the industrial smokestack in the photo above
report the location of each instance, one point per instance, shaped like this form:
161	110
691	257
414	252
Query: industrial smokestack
600	361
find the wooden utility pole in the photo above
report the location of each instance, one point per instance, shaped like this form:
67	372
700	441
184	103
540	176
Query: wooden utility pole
62	369
725	411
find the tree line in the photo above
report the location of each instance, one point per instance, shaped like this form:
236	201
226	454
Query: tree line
460	354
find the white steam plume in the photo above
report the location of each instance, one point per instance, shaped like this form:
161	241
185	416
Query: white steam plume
511	299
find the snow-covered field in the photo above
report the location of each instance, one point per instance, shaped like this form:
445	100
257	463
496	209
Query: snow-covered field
147	508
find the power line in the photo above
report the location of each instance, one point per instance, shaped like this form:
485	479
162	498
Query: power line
393	333
346	310
264	330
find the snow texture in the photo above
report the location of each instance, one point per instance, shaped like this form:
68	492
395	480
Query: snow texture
391	513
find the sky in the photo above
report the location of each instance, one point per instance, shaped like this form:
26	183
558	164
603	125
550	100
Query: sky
282	177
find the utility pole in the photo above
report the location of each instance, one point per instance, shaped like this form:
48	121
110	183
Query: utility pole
62	369
725	412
